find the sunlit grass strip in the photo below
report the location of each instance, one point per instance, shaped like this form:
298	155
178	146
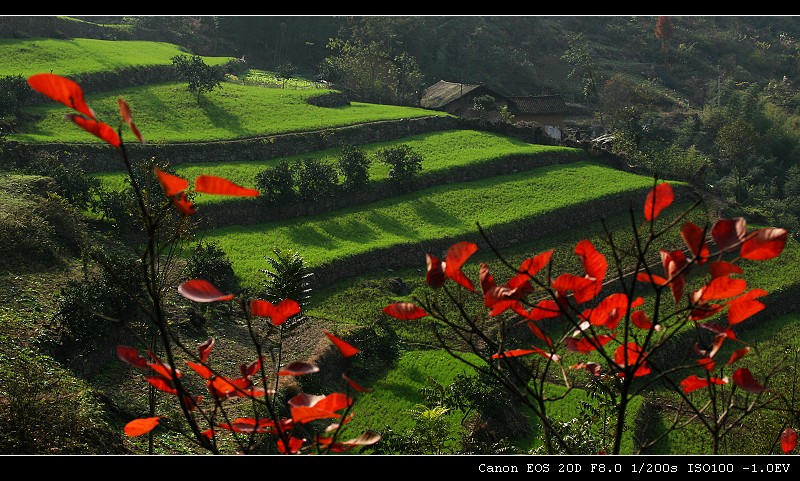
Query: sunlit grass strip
436	213
168	112
439	151
398	391
85	55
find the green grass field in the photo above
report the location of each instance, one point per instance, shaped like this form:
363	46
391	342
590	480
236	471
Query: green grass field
440	151
168	112
85	55
435	213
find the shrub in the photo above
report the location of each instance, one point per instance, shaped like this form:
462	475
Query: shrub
404	165
354	165
277	183
316	180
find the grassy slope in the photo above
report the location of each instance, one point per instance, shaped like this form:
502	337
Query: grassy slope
168	112
435	213
85	55
439	150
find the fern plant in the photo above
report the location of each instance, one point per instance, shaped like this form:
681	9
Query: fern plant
287	278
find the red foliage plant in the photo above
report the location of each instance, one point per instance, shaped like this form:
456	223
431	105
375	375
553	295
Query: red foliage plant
251	383
614	327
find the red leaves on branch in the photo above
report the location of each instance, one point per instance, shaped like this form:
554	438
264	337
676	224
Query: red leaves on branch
98	129
306	407
745	380
659	198
211	184
763	244
61	89
439	271
345	348
405	311
788	440
172	185
125	113
694	382
631	354
199	290
525	352
141	426
729	233
279	314
694	237
298	368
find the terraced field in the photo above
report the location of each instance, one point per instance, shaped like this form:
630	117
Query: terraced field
378	236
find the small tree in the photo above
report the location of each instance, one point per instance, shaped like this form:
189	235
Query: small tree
354	165
202	77
277	183
404	165
316	180
284	73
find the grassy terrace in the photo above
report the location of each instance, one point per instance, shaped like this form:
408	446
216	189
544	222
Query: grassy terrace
85	55
440	151
168	112
435	213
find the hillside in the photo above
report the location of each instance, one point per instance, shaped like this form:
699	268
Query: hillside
68	213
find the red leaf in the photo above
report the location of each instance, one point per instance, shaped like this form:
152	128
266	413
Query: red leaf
61	89
355	385
298	369
745	380
125	113
707	363
788	440
694	237
594	263
745	306
641	320
200	290
164	370
592	368
211	184
512	353
183	204
651	279
277	314
722	268
608	312
570	282
540	334
763	244
252	368
659	198
738	354
435	273
533	265
294	445
131	356
98	129
728	233
630	355
693	383
405	311
544	309
456	256
344	347
172	185
201	369
719	288
587	344
161	384
205	349
140	426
